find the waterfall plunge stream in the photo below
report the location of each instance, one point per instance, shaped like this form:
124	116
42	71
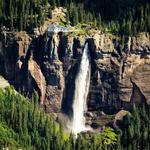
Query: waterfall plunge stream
82	83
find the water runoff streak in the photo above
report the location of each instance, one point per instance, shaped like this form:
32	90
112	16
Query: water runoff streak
82	83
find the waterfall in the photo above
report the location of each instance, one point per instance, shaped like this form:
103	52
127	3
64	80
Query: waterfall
82	83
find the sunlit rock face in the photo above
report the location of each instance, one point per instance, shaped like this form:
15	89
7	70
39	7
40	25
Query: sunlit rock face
119	74
39	79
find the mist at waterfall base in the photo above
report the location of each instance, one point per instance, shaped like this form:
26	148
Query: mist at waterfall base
82	83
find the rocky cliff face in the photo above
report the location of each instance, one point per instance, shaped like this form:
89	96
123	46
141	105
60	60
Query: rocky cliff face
49	64
121	74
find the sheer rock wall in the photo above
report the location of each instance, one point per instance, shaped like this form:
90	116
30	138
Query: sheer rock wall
49	64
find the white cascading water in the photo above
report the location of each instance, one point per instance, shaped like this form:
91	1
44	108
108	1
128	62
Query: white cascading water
82	83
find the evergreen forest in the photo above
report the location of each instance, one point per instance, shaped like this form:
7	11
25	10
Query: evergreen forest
119	17
23	125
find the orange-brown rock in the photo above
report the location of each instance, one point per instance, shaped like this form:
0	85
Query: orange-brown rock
39	79
22	42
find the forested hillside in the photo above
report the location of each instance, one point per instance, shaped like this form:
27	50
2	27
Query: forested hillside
22	15
24	126
122	17
135	133
119	17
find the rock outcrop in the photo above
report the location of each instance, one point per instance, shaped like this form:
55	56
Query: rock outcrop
53	73
118	121
3	83
38	78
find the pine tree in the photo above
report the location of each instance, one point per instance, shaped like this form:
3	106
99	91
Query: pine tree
20	119
53	3
35	20
58	3
21	23
50	13
78	143
35	112
65	3
67	18
75	16
131	132
99	22
93	142
81	18
142	25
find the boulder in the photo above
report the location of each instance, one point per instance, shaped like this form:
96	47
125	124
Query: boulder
119	117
